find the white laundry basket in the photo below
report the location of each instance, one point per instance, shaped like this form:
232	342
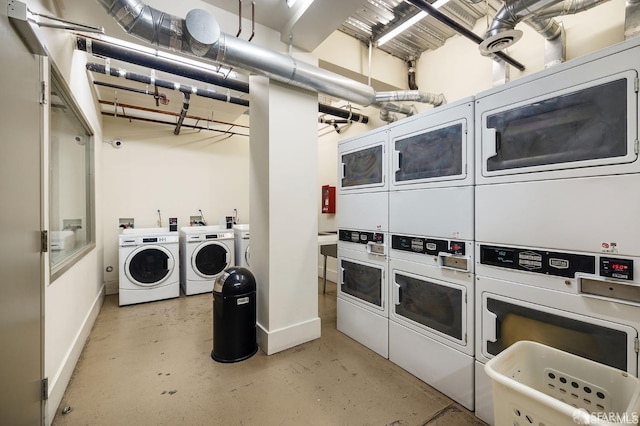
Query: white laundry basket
537	385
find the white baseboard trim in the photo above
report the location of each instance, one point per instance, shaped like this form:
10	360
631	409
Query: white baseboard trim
275	341
58	384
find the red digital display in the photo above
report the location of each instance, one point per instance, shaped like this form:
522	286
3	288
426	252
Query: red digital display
616	268
619	267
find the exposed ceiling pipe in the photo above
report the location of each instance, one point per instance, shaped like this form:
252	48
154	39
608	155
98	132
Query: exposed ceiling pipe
253	20
149	60
160	96
183	113
199	34
435	13
122	73
411	77
171	113
169	123
343	113
239	18
387	116
107	50
387	107
537	13
410	96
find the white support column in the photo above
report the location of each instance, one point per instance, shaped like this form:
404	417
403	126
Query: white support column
283	209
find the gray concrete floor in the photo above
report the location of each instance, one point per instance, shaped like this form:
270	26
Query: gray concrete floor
150	364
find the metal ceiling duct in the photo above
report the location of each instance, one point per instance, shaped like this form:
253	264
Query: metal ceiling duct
199	34
537	13
149	60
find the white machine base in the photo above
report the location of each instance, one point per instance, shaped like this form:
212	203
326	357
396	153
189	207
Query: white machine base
364	326
484	395
197	287
446	369
130	297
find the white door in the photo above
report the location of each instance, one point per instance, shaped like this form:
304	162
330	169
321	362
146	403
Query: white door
21	286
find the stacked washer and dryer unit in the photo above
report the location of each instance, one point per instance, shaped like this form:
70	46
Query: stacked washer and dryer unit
553	212
557	215
405	245
363	221
431	256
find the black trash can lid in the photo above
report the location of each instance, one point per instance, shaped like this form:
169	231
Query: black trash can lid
235	280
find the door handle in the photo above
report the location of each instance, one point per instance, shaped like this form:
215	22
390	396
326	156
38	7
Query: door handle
397	161
489	326
489	145
396	293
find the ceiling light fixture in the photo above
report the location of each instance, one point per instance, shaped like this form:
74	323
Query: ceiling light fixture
407	24
290	3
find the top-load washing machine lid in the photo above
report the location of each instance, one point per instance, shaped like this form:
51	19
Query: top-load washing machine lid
210	259
149	265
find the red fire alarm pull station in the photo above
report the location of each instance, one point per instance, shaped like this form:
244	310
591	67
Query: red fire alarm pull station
328	199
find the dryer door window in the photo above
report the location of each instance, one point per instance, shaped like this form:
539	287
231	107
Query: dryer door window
436	306
430	155
579	128
582	336
363	282
363	168
210	259
148	266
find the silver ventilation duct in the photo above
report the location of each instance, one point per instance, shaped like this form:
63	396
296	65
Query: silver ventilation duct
537	13
199	34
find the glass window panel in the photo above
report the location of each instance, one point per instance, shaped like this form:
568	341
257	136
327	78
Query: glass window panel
211	259
71	189
363	167
363	282
437	153
594	342
435	306
584	125
149	266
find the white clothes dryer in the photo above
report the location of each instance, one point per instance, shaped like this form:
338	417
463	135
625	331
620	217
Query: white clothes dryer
149	266
243	257
205	253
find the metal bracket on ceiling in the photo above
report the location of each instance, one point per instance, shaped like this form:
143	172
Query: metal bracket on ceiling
67	25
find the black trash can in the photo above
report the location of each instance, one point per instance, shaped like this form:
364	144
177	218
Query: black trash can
234	316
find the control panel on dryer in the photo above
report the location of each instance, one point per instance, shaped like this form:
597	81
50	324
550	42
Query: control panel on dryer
374	241
429	246
451	254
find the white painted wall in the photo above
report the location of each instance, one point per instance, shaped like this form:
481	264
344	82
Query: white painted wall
178	175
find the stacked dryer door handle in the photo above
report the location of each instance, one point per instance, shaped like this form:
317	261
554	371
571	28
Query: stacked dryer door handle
556	222
431	261
362	220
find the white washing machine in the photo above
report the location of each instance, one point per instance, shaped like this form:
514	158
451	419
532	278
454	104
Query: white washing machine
149	265
205	253
243	257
